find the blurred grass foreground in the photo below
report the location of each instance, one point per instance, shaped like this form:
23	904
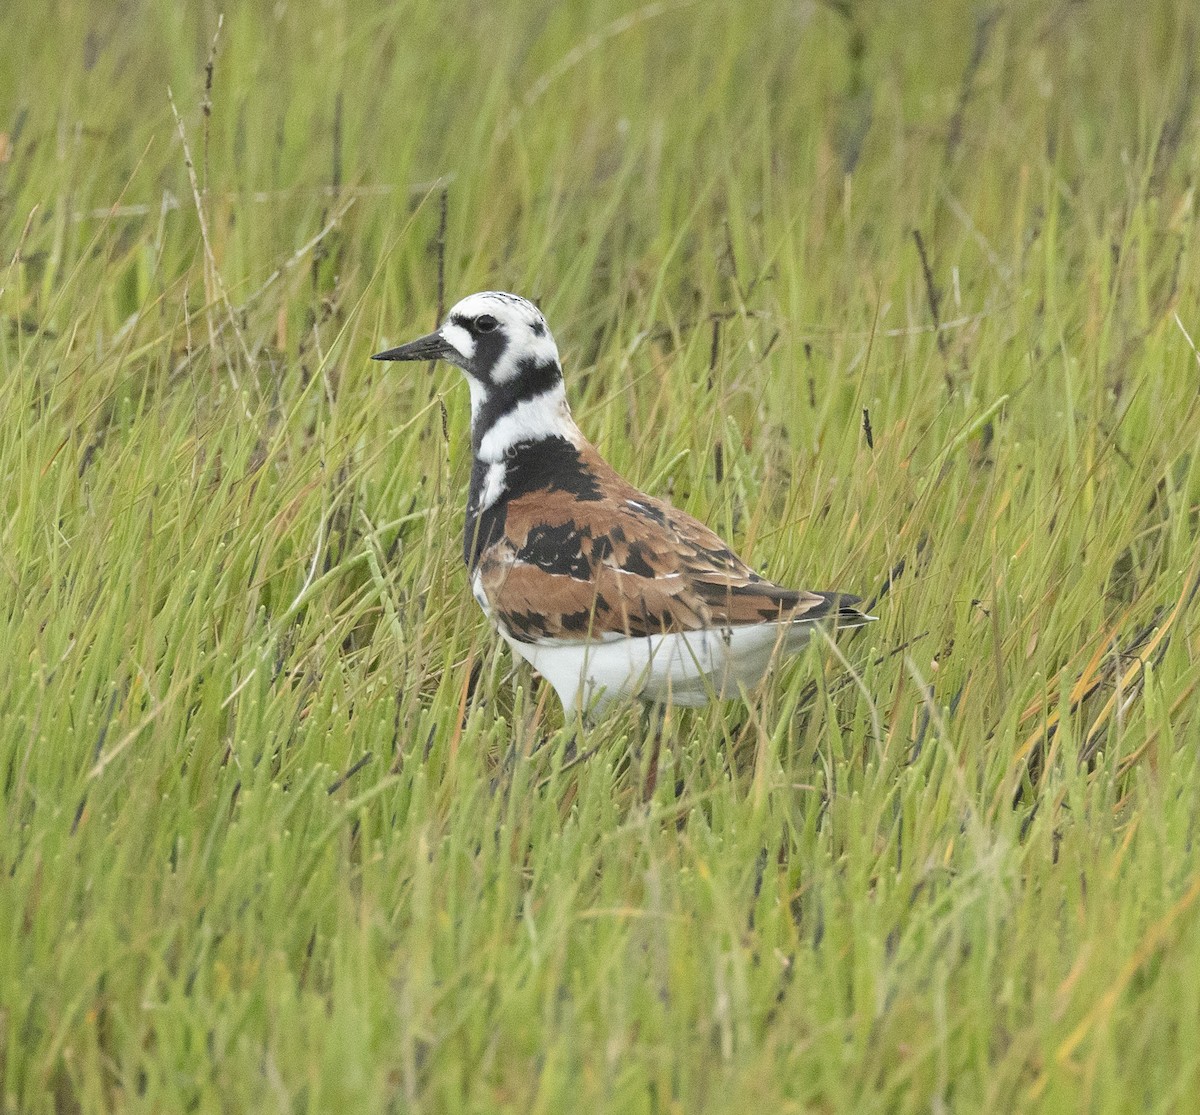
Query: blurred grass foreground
899	297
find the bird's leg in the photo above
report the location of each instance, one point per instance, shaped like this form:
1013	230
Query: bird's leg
655	721
572	752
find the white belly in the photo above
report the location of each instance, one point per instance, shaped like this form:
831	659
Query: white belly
687	669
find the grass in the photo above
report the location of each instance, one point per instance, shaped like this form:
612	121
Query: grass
284	830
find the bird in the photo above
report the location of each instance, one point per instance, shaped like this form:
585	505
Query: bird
607	592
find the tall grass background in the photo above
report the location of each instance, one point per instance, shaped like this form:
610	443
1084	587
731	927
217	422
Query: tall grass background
899	297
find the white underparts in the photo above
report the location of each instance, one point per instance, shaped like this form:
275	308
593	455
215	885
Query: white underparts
689	668
479	594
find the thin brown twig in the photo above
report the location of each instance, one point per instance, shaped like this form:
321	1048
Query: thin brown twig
983	33
931	292
218	284
206	105
440	246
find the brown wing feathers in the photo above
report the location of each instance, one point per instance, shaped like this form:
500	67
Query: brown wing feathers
623	564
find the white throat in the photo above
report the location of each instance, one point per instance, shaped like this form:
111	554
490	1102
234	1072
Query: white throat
478	398
545	415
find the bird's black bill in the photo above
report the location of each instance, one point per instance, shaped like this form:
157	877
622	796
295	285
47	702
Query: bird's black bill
433	347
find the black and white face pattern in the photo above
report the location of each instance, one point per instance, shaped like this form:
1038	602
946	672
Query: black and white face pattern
522	433
510	361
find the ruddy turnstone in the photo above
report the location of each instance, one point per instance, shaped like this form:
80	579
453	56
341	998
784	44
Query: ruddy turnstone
607	592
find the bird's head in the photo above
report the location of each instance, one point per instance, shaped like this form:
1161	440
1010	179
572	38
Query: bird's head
504	348
493	337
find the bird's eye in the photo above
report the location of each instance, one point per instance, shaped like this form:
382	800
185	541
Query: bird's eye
485	323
